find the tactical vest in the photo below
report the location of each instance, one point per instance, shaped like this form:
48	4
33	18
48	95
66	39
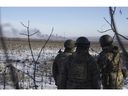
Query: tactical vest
61	58
78	68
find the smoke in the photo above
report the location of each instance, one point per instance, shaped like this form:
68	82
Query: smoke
9	30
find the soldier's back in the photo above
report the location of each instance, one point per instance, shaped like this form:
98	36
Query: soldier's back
61	58
80	68
58	65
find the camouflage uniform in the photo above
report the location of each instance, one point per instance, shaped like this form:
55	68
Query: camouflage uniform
80	70
58	62
110	65
112	76
57	65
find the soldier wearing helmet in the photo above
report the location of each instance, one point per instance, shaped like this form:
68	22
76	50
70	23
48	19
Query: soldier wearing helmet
80	70
109	61
106	40
59	59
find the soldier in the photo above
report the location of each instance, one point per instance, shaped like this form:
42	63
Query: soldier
58	62
80	70
111	68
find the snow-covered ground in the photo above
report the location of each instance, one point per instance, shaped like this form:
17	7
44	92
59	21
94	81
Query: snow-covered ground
22	61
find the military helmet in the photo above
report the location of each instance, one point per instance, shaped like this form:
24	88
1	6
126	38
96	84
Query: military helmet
105	40
82	41
69	44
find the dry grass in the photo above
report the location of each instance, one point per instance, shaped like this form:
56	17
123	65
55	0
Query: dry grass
22	44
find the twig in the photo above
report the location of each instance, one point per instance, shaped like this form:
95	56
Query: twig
123	36
24	25
113	37
107	21
28	34
45	44
23	34
41	51
33	33
30	47
104	30
114	10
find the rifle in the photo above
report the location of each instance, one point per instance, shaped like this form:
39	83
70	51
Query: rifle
60	51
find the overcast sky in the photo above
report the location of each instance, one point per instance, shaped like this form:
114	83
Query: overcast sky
68	21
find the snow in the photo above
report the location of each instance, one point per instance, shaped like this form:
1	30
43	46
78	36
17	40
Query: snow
22	61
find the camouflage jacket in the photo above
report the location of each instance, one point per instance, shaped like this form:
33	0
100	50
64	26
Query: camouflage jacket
111	67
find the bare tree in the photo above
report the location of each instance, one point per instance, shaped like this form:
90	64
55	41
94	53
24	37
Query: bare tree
30	46
113	28
29	42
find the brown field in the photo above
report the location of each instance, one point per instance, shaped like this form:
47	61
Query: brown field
22	44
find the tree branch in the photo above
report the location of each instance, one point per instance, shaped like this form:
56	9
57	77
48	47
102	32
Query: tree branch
123	36
45	44
24	25
23	34
107	21
114	10
104	30
117	35
30	47
33	33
